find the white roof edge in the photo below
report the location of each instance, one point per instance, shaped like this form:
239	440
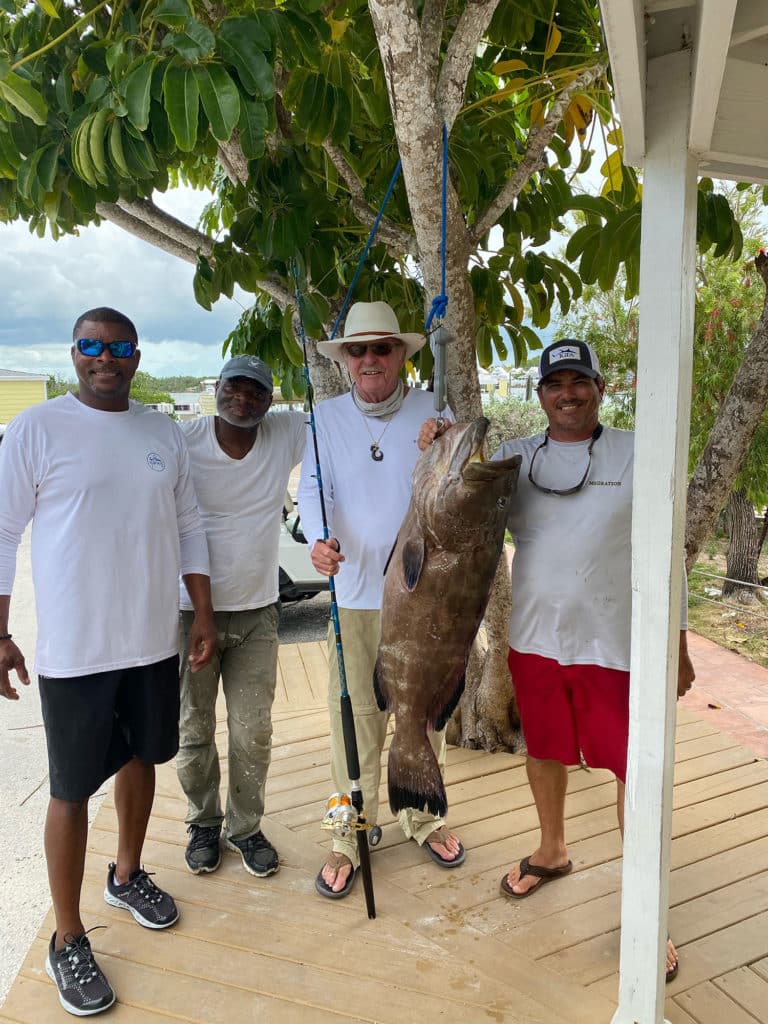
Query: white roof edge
625	35
21	376
713	34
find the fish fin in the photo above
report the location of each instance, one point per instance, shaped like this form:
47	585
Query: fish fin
444	715
413	561
379	690
414	778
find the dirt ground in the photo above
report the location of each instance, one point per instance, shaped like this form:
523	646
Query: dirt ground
739	627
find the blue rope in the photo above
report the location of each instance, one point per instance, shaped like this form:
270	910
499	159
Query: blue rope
368	244
440	302
319	479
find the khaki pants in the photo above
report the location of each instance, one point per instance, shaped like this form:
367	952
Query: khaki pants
246	662
360	632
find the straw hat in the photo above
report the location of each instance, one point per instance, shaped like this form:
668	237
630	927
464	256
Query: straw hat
368	322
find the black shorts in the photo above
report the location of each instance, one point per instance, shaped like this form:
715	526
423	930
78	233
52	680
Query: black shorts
95	724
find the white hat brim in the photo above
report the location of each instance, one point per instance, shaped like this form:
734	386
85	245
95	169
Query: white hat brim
333	349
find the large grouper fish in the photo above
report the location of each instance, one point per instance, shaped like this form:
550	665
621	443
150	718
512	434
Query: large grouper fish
435	592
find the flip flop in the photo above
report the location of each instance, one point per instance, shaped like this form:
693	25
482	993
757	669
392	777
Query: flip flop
443	862
322	886
526	868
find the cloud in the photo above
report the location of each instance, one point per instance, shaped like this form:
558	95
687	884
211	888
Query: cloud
47	284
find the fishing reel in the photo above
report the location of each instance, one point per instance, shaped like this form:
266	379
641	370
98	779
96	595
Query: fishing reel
342	818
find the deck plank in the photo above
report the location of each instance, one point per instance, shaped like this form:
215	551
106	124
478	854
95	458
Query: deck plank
708	1004
444	943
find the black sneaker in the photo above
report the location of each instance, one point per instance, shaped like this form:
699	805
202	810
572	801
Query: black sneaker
203	852
259	855
150	906
83	989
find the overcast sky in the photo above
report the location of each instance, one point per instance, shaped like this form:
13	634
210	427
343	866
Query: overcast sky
45	285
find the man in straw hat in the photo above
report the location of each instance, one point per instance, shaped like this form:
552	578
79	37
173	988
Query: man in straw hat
367	440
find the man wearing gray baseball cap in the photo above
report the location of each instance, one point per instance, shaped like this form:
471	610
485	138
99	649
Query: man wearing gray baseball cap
241	459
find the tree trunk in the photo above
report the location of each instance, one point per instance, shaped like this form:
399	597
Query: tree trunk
743	549
730	437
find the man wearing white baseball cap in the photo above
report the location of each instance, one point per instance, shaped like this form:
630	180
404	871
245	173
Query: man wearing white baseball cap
241	459
367	440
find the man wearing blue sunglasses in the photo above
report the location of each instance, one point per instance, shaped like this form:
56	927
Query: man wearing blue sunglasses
108	486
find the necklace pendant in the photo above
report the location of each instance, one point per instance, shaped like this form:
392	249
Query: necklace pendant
376	453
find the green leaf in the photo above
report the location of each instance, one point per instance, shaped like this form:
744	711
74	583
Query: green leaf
49	8
64	91
138	92
580	239
534	268
47	166
194	42
253	128
27	172
221	100
241	42
95	57
173	13
23	97
182	98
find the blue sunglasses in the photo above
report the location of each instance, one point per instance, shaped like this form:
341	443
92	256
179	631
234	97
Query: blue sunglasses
94	347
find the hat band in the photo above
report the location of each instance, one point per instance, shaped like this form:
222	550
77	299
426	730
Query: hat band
371	334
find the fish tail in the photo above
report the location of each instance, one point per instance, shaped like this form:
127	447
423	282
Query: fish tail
414	778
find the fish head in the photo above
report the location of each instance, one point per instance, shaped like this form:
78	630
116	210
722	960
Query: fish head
459	497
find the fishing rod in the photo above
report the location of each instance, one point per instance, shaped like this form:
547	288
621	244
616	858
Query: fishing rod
338	815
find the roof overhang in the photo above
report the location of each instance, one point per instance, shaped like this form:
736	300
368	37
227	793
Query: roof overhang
729	43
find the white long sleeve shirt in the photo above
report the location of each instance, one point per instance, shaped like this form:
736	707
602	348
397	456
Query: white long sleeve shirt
115	520
365	501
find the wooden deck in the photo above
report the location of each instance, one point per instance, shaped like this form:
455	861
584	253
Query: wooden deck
445	945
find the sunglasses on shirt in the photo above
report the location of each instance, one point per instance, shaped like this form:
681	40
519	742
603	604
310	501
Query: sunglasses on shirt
94	347
379	348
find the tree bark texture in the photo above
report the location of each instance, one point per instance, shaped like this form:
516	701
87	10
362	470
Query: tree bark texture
730	437
743	549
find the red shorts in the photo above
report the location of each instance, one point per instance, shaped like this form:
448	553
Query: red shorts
569	710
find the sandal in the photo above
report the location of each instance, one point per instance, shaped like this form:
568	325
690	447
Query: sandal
439	836
336	861
526	868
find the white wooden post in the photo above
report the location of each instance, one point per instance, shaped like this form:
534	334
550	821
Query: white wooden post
667	269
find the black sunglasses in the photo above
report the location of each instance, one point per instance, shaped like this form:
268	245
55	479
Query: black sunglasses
568	490
117	349
379	348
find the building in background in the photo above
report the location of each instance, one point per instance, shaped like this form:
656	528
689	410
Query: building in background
18	391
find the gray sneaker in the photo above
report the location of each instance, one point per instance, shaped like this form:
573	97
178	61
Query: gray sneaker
203	853
83	989
258	854
150	906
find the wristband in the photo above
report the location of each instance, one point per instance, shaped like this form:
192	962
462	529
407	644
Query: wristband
6	636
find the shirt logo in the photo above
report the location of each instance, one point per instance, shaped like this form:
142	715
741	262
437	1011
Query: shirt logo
156	462
564	352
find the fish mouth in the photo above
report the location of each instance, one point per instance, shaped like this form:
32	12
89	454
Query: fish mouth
475	468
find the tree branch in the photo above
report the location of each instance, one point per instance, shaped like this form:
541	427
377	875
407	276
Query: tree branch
538	140
731	435
460	56
397	239
147	212
232	159
146	221
432	19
